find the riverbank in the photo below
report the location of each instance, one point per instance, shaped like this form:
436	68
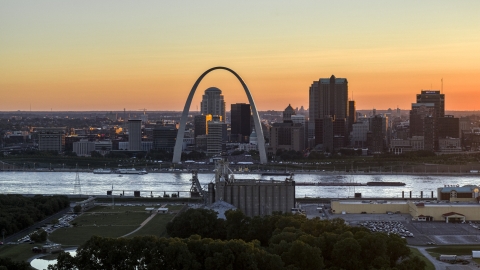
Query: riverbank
294	172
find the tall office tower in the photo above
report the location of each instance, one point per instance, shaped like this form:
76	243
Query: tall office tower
433	96
135	135
377	134
215	137
241	118
213	103
352	115
164	137
419	112
200	124
327	97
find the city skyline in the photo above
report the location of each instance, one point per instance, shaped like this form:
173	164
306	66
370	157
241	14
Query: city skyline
112	55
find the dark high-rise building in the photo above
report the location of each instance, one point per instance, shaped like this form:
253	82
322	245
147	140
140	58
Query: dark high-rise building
352	115
377	135
213	103
164	137
429	133
448	127
433	96
240	121
135	135
200	124
417	115
327	97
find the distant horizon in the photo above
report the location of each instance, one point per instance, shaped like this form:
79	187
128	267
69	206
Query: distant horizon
179	111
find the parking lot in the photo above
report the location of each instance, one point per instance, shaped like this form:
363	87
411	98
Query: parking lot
424	232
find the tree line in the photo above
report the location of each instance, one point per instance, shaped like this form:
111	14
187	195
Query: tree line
200	240
18	212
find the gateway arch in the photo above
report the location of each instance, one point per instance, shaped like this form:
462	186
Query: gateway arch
177	153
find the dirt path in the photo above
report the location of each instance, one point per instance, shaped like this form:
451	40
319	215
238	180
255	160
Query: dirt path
143	223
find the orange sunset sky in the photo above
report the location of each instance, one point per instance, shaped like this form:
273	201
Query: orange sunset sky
110	55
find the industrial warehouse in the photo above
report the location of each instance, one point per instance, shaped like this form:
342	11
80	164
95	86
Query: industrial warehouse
453	204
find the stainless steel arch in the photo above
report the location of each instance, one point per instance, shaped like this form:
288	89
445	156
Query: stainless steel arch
177	153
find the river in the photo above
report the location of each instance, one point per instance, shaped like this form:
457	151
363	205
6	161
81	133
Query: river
157	183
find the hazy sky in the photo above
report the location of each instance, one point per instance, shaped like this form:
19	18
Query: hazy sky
110	55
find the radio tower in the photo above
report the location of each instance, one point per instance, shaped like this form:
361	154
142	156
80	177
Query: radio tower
77	187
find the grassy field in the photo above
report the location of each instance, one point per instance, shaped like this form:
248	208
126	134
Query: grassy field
157	226
107	222
417	253
20	252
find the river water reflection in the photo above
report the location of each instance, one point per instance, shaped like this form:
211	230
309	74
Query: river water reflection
157	183
41	264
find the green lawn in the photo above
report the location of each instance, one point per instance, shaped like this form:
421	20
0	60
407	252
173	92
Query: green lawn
107	222
79	235
20	252
102	221
417	253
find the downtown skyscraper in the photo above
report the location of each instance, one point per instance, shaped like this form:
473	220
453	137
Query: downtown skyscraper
213	103
329	114
327	97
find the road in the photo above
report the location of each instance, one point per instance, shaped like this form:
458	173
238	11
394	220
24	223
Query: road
14	237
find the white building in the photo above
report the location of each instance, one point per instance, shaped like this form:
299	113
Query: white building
83	147
359	132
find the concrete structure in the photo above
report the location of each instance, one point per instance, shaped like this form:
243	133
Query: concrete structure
134	135
256	118
213	103
51	138
252	196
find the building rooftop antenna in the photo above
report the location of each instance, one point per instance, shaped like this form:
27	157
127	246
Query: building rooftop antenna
442	85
